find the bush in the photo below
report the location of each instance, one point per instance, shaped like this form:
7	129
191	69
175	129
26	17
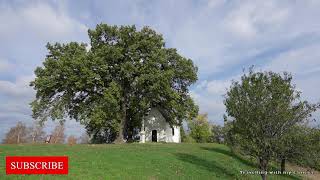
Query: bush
200	128
189	139
217	135
72	140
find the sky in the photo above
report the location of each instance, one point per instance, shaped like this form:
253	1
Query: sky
222	37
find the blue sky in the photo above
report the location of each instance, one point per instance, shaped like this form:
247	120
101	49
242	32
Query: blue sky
222	37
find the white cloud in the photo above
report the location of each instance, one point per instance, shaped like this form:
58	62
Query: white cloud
39	19
228	33
212	4
250	19
218	87
25	28
15	98
19	88
220	36
300	61
202	85
5	66
209	95
16	108
212	105
304	65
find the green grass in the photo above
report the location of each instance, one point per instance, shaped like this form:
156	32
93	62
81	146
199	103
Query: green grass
139	161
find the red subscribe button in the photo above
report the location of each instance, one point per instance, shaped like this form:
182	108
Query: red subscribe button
37	165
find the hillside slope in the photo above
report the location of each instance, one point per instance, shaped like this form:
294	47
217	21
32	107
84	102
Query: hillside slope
140	161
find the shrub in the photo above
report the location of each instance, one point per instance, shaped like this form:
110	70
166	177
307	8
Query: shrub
72	140
189	139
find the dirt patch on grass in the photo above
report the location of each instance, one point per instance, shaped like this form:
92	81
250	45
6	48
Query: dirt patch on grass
310	174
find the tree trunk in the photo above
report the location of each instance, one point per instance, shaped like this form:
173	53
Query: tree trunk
33	138
129	133
120	137
122	129
18	140
283	165
263	163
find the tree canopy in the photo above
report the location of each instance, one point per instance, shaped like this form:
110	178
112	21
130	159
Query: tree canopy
264	107
294	145
111	86
200	128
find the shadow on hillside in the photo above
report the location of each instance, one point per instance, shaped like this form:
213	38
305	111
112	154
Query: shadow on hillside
244	161
231	154
210	166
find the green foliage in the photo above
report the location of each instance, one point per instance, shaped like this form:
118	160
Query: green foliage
231	138
114	84
293	144
183	135
228	134
305	147
200	128
217	134
264	107
189	139
313	158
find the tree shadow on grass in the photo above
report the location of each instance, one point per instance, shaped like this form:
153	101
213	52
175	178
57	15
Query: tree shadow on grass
243	160
210	166
231	154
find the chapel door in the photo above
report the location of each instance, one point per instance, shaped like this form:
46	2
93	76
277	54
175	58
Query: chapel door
154	135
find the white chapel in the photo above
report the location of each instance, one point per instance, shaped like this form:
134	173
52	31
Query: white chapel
155	128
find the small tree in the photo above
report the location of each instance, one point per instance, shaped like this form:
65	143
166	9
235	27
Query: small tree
58	136
189	139
200	128
313	157
310	155
36	133
216	133
293	145
72	140
264	106
17	134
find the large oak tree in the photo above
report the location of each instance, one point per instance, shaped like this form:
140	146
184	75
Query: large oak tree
114	84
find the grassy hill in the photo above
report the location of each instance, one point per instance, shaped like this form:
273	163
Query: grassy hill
140	161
